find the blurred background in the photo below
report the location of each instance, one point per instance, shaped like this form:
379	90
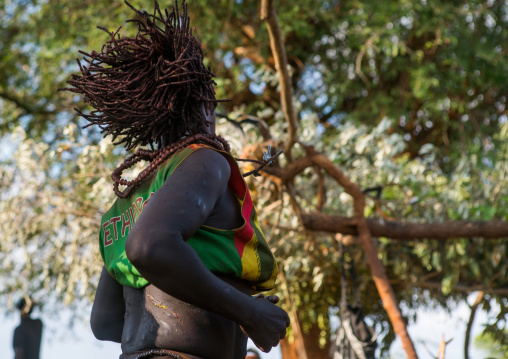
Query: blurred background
407	98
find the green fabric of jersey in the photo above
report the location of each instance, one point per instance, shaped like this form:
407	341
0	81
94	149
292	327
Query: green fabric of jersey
242	252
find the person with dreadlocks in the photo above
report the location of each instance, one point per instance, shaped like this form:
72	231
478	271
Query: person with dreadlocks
182	248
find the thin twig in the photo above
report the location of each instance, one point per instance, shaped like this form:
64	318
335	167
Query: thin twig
267	160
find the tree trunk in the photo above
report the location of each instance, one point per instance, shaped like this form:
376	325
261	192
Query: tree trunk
311	344
288	349
311	341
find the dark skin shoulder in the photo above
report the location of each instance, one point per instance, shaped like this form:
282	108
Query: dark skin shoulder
195	194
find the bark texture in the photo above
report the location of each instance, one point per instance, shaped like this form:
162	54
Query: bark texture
407	230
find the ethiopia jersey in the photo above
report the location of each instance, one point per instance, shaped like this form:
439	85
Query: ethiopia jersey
241	252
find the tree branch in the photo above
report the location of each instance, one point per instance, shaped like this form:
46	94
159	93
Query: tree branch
281	64
15	101
27	109
477	302
378	271
464	288
407	230
321	190
385	228
358	67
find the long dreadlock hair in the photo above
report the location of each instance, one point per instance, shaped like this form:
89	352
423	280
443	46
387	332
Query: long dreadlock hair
152	89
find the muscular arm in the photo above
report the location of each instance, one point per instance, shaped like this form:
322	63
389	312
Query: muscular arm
157	247
108	309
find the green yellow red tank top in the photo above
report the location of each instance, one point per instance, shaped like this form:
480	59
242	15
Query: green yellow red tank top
242	252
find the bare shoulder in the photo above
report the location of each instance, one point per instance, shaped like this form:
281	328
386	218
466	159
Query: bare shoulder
206	162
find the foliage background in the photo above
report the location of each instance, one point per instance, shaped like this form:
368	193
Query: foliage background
408	96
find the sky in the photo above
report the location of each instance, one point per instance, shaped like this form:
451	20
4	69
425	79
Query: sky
59	341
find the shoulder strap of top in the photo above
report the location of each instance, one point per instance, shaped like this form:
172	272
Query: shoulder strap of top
236	180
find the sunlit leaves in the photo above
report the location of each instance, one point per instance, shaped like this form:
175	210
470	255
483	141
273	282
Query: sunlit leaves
408	96
49	214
